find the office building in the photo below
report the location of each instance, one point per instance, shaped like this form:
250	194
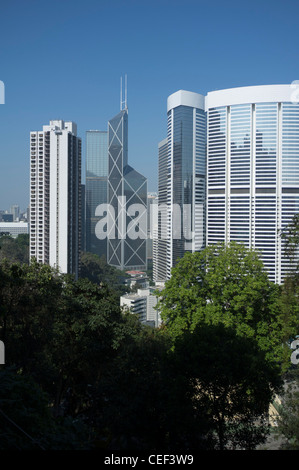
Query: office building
55	196
152	198
182	182
253	169
127	189
13	229
160	227
96	187
15	211
251	143
7	217
136	303
83	217
143	304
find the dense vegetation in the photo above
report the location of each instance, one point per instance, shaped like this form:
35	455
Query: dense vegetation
16	250
81	374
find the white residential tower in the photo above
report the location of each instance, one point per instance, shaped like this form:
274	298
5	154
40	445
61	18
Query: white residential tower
55	196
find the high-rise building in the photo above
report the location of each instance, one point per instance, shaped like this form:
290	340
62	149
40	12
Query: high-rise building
160	227
15	211
55	196
83	218
249	139
96	187
7	217
152	198
253	169
182	182
127	189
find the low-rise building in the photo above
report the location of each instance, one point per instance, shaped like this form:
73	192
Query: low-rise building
143	303
13	228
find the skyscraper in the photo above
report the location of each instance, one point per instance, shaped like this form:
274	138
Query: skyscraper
152	198
182	181
160	228
253	169
249	139
126	189
83	218
15	211
55	196
96	187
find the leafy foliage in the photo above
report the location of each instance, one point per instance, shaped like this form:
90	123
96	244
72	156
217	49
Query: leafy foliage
96	270
290	288
231	382
224	284
290	236
288	417
16	250
82	374
148	407
26	422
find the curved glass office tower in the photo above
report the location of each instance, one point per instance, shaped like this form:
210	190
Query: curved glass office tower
253	169
182	160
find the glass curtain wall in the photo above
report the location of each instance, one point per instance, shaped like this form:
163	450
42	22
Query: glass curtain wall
96	187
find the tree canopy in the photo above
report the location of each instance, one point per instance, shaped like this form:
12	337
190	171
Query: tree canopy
14	249
225	284
97	270
87	375
231	383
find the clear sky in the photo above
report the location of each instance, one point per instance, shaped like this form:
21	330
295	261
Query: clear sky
64	59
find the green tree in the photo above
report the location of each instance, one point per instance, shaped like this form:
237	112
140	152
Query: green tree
62	333
290	236
231	383
224	284
96	270
30	297
148	406
289	300
288	414
26	421
88	332
15	250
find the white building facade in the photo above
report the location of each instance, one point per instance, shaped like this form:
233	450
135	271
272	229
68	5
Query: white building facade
143	304
55	196
253	169
14	229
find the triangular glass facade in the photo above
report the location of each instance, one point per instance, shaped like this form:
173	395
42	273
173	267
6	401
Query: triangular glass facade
126	188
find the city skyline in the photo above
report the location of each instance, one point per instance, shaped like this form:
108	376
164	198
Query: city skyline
60	65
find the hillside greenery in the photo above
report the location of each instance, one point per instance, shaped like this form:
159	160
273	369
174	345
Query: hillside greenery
81	374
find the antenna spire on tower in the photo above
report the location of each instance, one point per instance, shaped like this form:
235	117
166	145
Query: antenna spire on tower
123	103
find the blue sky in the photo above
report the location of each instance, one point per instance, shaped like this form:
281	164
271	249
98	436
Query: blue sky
64	60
